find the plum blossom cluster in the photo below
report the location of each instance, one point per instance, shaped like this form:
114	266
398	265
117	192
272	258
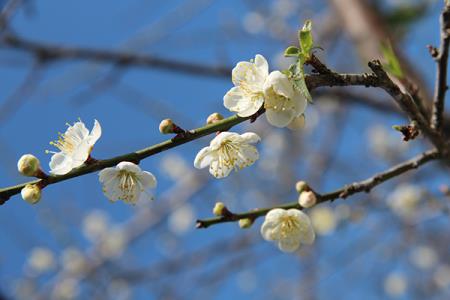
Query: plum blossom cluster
126	181
255	91
281	95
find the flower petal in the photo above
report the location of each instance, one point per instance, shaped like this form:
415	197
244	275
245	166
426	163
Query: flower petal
275	214
267	229
244	105
203	158
77	131
147	179
80	154
280	118
60	164
288	244
299	102
262	65
280	84
129	166
247	156
306	231
219	170
250	74
95	134
107	174
250	137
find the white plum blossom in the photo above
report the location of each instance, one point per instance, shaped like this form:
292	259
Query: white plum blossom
95	225
395	284
75	146
228	151
73	261
283	103
288	228
324	220
126	182
113	243
41	260
247	95
404	200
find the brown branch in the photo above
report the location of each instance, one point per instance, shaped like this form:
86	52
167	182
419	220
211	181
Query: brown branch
7	11
441	57
362	186
56	52
406	103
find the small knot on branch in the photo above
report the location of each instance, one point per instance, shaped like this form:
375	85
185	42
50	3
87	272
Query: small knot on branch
409	132
434	52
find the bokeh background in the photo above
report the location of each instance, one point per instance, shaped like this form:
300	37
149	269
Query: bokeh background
74	244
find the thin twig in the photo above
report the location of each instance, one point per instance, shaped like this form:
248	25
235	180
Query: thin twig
7	11
362	186
406	103
57	52
441	58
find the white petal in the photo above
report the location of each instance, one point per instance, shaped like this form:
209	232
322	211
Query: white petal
280	118
219	170
288	244
240	72
237	101
262	65
299	102
60	164
112	190
280	84
144	196
80	154
222	137
306	230
256	104
128	166
95	134
248	155
275	214
147	179
78	131
250	74
266	229
250	137
107	174
203	158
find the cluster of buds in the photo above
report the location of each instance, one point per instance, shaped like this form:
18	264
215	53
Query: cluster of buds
30	166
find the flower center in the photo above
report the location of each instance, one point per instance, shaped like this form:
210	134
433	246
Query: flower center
289	225
229	153
66	144
277	102
128	181
249	83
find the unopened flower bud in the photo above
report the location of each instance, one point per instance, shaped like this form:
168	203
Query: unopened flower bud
219	209
31	193
166	126
28	165
307	199
297	123
245	223
301	186
214	118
